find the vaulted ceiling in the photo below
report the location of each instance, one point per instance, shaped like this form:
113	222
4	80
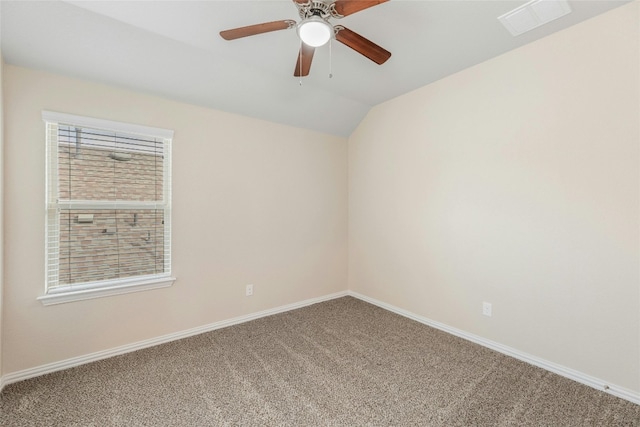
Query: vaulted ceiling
173	49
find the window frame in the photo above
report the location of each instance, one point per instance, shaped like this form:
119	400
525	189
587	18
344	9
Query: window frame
96	289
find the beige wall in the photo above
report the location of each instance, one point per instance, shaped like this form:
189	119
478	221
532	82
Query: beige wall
513	182
253	202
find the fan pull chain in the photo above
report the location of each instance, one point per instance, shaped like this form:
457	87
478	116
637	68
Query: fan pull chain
300	61
330	56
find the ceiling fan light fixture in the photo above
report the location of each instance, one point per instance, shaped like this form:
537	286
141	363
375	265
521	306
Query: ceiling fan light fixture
314	31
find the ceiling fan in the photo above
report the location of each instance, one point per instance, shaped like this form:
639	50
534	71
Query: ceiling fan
315	30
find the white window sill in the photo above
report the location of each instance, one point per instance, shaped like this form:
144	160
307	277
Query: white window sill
117	288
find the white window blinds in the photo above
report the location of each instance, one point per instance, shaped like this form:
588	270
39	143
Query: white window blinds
108	203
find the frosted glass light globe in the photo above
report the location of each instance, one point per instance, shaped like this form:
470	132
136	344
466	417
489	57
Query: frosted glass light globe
314	31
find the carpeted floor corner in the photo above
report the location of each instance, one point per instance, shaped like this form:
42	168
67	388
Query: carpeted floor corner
338	363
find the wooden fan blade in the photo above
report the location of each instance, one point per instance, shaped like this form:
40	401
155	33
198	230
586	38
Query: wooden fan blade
303	65
253	30
361	45
349	7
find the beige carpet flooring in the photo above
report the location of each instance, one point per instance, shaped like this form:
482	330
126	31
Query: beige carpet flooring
339	363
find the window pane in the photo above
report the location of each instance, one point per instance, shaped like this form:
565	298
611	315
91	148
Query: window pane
101	165
110	244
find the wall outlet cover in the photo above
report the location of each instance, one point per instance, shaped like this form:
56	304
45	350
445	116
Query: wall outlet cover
486	308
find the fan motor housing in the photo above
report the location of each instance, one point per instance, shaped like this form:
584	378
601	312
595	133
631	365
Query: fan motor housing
317	8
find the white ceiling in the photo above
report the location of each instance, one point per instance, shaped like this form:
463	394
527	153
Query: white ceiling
172	49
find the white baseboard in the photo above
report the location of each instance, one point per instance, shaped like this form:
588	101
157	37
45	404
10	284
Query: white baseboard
572	374
81	360
580	377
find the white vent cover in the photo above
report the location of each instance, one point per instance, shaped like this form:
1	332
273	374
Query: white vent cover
533	14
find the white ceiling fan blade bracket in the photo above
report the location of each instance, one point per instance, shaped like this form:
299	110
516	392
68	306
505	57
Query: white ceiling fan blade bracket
334	13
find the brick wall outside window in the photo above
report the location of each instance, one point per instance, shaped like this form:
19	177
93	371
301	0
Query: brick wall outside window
118	243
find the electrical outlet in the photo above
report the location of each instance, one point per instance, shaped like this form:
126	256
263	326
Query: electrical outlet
249	290
486	308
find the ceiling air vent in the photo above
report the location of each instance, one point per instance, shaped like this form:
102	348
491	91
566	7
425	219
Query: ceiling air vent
533	14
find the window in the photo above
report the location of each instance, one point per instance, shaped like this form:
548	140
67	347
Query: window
108	208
